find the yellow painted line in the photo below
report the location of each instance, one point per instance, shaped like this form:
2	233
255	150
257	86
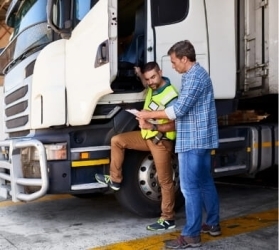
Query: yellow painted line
45	198
76	164
230	227
264	144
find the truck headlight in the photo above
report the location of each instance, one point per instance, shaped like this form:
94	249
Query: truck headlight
57	151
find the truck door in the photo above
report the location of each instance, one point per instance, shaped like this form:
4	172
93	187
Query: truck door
173	21
256	49
209	25
88	74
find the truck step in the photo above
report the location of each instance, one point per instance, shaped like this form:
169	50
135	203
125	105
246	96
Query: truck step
86	186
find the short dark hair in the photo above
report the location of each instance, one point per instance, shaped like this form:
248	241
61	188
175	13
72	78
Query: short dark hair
150	66
183	48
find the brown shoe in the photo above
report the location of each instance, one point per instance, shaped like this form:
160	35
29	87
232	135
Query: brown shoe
183	242
212	230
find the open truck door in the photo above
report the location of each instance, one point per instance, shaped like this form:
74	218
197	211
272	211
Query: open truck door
92	43
83	57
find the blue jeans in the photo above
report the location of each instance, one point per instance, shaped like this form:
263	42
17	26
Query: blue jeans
199	191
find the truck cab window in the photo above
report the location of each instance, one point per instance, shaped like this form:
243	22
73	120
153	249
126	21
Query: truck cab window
168	12
67	15
82	7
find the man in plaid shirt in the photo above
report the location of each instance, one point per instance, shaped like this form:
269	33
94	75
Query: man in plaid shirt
195	117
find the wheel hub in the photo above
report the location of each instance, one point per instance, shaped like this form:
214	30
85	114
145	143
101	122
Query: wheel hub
148	179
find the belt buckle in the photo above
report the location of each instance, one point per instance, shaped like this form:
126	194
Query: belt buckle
157	138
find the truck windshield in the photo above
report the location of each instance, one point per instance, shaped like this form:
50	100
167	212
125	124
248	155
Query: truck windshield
30	33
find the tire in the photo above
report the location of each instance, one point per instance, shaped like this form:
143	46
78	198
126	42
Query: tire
140	192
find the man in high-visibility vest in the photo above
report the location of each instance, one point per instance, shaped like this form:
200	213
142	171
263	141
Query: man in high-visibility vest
157	138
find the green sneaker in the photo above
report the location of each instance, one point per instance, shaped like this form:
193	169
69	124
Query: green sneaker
161	224
105	179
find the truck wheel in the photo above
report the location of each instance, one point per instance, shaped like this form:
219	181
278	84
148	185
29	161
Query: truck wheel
140	192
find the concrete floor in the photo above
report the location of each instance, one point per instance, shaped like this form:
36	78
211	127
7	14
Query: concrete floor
66	222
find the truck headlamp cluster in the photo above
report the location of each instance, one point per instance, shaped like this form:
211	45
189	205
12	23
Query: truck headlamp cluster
57	151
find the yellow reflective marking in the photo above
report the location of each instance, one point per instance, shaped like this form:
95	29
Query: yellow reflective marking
45	198
263	145
248	149
76	164
231	227
266	144
213	152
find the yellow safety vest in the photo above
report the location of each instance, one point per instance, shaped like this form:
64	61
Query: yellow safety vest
159	102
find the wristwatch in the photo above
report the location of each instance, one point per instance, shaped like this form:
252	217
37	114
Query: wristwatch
154	127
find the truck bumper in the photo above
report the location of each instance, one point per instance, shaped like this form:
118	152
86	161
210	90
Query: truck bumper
12	181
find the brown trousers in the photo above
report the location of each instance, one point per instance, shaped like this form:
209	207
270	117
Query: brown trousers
162	158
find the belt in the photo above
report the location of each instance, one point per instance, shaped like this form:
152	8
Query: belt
156	139
166	139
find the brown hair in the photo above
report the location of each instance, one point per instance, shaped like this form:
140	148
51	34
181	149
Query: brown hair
150	66
183	48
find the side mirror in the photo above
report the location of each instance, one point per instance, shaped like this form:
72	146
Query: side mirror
64	33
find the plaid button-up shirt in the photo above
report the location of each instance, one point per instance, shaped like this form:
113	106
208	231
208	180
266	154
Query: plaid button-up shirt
195	112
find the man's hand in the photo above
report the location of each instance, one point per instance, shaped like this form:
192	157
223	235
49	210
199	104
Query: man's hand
145	114
140	76
138	71
143	124
165	127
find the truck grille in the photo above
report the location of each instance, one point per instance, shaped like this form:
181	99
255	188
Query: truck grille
16	109
17	122
16	95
